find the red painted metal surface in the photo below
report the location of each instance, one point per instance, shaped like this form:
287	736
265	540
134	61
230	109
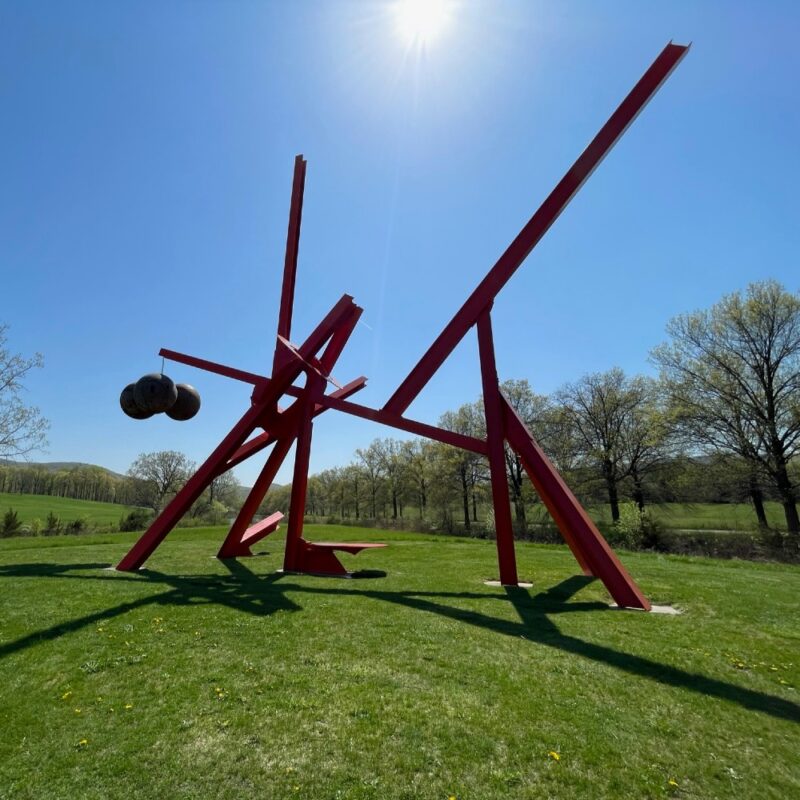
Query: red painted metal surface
292	249
285	426
536	227
235	541
493	412
318	558
302	455
255	533
585	541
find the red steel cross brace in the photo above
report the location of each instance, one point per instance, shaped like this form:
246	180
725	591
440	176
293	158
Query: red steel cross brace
316	357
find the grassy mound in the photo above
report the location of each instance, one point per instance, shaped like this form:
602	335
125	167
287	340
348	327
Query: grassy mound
200	679
67	509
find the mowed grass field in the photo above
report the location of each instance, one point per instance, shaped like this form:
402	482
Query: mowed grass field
196	678
706	516
687	516
38	506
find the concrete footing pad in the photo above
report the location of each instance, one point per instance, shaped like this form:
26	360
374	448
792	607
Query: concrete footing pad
669	610
521	584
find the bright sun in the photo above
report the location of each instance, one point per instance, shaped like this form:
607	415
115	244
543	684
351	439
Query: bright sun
421	21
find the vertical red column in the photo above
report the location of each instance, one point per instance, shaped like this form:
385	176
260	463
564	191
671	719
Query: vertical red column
292	559
495	437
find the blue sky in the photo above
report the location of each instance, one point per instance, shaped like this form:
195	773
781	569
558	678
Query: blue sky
145	170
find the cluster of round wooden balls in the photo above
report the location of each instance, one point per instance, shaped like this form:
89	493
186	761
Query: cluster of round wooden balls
156	393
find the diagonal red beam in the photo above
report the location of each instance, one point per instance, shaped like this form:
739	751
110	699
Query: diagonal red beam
258	443
404	424
536	227
580	533
338	341
338	315
231	547
212	366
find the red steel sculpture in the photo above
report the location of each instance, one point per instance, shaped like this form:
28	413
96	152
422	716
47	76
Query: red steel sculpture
316	357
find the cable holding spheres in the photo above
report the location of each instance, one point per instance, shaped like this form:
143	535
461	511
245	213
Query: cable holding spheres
128	404
187	404
155	392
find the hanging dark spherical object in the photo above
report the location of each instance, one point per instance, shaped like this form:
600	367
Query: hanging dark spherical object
187	404
155	393
128	404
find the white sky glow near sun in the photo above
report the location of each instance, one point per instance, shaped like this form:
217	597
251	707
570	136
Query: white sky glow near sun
421	21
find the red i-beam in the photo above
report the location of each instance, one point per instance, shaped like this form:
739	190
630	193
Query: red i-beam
284	427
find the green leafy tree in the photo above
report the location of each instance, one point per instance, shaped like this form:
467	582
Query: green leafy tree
733	375
617	428
158	476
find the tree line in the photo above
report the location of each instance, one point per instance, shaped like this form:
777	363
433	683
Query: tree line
80	483
721	422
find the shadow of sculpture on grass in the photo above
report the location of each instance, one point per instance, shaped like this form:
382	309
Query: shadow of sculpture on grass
244	591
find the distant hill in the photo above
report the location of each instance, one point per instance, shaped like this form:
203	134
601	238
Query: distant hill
57	466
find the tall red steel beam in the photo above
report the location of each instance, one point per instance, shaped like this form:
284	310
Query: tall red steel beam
292	249
583	538
495	440
292	558
537	226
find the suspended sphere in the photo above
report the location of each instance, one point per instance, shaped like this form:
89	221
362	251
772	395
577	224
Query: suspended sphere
187	404
128	404
155	393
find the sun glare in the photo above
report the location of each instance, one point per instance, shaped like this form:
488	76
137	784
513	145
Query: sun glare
421	21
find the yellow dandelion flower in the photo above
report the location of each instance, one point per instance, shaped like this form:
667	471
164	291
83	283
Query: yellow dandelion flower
555	756
128	706
672	782
77	711
83	742
66	695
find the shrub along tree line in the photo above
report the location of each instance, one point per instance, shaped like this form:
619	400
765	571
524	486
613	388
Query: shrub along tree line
721	423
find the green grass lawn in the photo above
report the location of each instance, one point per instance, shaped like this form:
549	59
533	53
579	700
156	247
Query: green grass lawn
694	516
33	506
706	516
199	679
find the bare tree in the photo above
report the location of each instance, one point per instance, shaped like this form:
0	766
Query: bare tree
733	374
158	475
612	417
372	462
22	427
225	489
